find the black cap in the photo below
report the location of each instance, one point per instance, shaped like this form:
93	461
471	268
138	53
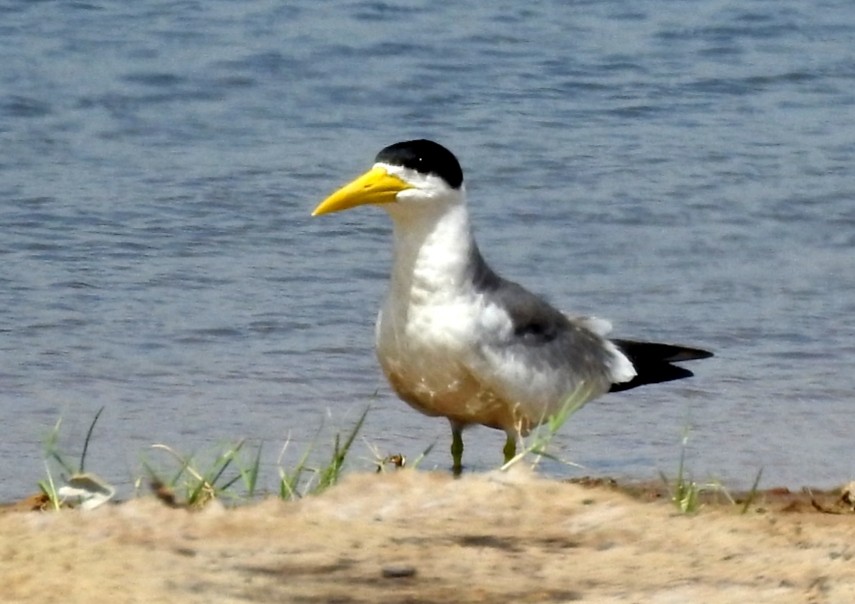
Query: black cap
426	157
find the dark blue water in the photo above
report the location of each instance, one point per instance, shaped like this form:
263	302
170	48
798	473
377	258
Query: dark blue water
683	169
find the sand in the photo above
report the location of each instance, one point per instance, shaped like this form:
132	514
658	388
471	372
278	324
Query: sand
413	536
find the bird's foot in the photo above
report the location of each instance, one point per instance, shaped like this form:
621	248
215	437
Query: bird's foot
456	450
510	449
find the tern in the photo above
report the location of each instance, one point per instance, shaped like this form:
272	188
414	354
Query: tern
457	340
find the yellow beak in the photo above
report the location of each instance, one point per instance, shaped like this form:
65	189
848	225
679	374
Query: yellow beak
375	186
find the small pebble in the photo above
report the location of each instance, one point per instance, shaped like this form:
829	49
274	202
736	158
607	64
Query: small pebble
398	571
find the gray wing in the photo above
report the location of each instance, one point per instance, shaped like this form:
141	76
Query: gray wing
542	335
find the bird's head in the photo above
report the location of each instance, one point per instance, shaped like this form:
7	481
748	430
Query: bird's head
408	174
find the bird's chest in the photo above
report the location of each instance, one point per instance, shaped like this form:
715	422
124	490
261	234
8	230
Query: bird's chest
430	351
425	338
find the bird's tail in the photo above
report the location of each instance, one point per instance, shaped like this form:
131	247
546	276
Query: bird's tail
653	362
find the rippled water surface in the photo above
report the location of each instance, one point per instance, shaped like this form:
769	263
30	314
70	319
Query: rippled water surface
684	169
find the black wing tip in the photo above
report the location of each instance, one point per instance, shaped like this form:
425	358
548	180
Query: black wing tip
663	353
653	375
653	362
690	354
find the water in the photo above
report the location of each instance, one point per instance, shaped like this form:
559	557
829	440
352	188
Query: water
683	169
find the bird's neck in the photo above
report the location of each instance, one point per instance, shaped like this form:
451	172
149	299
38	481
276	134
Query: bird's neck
433	252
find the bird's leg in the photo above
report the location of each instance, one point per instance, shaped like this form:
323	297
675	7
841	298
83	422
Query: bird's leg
510	449
456	448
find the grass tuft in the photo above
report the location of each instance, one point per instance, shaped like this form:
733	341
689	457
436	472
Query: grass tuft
291	482
330	474
234	473
80	488
199	487
686	493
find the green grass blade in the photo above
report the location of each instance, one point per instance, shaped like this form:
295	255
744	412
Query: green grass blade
88	438
752	494
222	463
331	473
421	457
48	487
51	448
250	475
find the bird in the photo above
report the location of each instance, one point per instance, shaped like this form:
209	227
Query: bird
456	340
